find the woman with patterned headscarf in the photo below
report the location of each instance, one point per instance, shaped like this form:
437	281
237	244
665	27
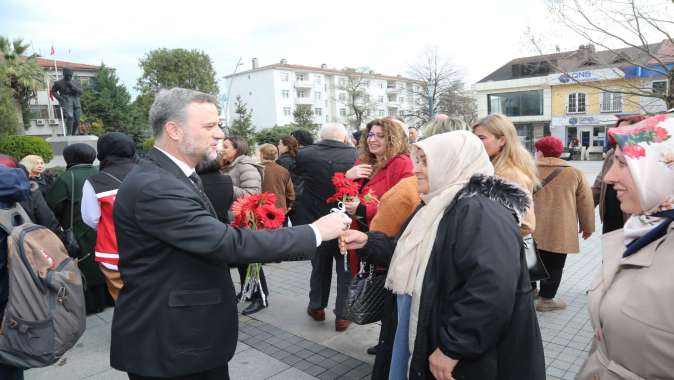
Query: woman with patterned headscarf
65	199
630	301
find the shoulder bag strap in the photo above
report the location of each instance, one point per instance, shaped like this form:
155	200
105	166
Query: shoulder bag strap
112	176
72	198
549	178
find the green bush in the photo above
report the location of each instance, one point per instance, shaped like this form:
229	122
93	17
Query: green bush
148	144
8	120
274	134
21	146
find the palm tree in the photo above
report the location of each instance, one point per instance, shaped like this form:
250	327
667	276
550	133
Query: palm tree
21	74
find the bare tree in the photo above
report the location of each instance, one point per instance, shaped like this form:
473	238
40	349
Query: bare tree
440	89
645	26
357	98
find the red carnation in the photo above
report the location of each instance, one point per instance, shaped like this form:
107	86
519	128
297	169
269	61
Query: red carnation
661	134
269	216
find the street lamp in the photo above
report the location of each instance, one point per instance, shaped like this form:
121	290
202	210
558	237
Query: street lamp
229	90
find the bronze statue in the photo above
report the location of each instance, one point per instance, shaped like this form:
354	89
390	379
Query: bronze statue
68	94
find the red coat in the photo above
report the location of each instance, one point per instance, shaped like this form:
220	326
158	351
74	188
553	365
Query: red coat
396	168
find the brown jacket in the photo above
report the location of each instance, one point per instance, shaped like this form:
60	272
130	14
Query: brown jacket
276	179
632	313
517	177
395	206
563	204
599	187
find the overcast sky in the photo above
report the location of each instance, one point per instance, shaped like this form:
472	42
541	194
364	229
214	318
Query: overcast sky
477	36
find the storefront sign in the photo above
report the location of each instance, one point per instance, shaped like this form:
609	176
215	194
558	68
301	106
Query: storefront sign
590	75
583	120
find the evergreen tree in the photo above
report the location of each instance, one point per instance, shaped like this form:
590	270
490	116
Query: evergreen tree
242	126
304	118
21	74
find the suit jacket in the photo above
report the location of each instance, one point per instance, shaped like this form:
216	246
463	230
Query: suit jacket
176	314
316	164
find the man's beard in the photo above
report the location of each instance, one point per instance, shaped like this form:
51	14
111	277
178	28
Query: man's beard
197	154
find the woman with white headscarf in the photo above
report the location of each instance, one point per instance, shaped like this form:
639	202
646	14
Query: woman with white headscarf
630	301
464	302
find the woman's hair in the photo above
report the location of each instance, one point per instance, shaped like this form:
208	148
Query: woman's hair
209	166
550	146
303	137
239	144
442	125
513	153
268	152
31	161
395	141
291	143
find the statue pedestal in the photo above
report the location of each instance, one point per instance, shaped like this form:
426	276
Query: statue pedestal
59	143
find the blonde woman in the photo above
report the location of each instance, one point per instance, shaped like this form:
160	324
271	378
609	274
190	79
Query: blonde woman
511	160
34	164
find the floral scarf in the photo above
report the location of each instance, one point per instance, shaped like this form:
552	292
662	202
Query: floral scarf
648	147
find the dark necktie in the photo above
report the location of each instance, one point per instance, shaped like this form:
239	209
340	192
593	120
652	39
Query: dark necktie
194	177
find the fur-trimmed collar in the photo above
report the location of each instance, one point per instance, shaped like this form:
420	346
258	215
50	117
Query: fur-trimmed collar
507	194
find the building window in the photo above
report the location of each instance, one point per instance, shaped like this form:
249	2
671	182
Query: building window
301	76
39	112
611	102
380	113
301	93
380	100
342	112
82	81
287	111
317	95
392	98
402	99
342	82
382	84
285	77
366	83
576	103
393	112
659	87
317	78
342	96
520	103
318	112
285	94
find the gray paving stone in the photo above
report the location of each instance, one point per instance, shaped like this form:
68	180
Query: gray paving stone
292	374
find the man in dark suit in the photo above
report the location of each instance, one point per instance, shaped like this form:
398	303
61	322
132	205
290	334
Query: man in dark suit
176	315
316	164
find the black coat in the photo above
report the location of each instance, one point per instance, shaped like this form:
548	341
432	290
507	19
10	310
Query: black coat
476	303
176	314
220	191
288	162
316	164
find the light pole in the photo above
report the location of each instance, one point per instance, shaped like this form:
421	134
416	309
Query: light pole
229	90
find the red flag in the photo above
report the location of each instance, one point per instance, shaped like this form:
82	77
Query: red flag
52	49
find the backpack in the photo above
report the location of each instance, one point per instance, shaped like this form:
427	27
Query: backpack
45	313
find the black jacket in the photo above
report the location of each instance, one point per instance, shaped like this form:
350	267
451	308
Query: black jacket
220	191
288	162
316	164
176	314
476	303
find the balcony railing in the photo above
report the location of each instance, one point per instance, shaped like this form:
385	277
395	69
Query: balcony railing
614	106
306	100
303	84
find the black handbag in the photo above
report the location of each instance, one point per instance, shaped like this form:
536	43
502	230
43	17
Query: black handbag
69	240
535	265
365	299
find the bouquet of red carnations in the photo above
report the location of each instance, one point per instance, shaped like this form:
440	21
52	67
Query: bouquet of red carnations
256	212
347	190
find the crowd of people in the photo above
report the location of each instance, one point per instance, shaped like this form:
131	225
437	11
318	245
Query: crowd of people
453	206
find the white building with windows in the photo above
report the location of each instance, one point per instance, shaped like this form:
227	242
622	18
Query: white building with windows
274	91
45	116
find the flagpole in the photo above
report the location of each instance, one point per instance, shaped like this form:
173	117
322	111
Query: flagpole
56	75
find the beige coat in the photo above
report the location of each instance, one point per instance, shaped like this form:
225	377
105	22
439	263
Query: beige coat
517	177
561	206
631	309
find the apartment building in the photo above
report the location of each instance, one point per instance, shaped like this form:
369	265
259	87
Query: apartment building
576	94
274	91
45	115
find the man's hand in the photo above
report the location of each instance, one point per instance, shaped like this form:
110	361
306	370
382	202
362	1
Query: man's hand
332	225
442	365
354	239
359	171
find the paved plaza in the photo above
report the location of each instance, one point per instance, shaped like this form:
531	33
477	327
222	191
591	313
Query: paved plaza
282	342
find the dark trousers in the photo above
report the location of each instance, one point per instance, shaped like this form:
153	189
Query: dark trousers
10	373
554	263
221	373
263	280
321	277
